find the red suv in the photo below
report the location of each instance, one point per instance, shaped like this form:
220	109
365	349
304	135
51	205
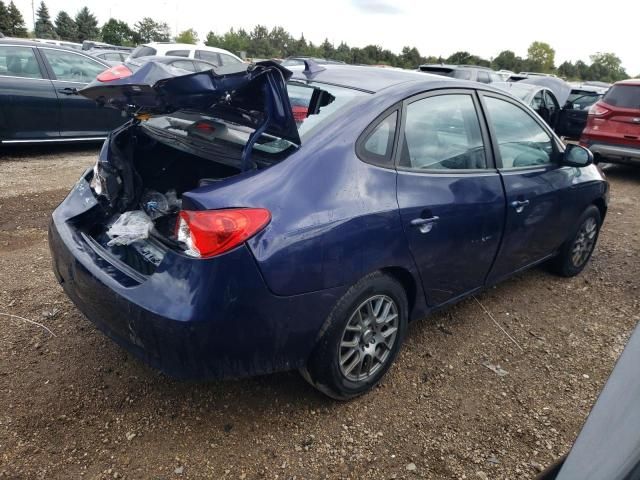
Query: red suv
613	125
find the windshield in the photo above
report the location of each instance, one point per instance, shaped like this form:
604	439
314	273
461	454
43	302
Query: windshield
314	105
625	96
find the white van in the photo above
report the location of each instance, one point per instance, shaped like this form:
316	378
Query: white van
217	56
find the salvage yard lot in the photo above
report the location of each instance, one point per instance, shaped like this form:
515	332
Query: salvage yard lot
76	404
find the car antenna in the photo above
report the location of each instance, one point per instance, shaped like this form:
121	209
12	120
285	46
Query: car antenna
311	67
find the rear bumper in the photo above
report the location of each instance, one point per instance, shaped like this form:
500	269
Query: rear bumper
192	318
615	153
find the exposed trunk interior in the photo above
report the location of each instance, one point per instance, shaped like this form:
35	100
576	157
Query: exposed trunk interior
152	167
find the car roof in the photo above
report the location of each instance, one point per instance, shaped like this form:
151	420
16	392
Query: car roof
366	78
31	43
452	66
165	59
629	81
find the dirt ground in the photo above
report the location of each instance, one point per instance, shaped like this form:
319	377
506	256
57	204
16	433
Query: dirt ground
75	405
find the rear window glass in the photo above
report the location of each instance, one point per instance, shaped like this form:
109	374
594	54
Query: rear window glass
313	106
143	51
582	99
625	96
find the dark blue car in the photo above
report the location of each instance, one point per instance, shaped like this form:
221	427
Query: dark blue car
219	236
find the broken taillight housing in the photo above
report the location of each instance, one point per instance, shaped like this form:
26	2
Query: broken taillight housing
206	233
115	73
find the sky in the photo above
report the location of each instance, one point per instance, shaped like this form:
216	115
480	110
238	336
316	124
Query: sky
435	28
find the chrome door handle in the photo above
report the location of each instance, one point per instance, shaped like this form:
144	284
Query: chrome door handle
69	91
425	225
519	205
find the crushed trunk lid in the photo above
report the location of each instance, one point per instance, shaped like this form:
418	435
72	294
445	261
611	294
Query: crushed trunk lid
252	95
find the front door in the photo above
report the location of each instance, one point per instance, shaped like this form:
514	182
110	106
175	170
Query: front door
79	116
450	194
535	185
28	102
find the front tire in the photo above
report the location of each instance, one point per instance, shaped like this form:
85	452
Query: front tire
576	252
362	337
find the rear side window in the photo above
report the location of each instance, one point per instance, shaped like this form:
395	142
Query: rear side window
228	59
113	57
211	57
184	65
461	74
19	62
625	96
443	133
377	146
72	67
178	53
143	51
483	77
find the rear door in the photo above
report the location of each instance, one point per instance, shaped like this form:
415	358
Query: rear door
207	56
450	194
537	219
573	116
28	102
79	116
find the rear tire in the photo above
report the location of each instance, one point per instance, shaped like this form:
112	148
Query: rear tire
361	339
576	251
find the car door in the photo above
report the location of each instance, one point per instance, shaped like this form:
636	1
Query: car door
28	102
79	116
538	218
211	57
449	193
573	116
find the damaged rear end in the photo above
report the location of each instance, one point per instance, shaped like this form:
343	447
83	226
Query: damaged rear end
170	281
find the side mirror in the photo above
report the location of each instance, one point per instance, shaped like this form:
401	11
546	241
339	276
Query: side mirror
577	156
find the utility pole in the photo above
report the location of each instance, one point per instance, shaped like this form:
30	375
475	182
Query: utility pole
33	15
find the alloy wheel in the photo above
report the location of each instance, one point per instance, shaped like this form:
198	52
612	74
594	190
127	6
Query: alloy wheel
368	338
584	242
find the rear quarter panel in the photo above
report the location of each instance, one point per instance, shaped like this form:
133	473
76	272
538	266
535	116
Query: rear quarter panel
334	217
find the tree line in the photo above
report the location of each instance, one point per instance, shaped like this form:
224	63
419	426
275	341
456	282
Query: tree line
260	42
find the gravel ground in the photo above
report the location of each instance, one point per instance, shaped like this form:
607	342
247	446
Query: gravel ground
76	405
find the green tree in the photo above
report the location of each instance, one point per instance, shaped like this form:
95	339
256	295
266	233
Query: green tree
507	60
187	36
87	25
44	27
607	67
65	27
17	28
117	32
568	70
149	30
5	25
541	57
260	45
460	58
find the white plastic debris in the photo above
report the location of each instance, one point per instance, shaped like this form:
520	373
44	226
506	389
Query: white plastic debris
130	227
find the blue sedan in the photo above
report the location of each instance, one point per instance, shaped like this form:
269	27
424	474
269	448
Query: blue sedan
262	219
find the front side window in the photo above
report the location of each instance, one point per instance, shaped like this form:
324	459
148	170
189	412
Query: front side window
521	140
378	144
443	133
19	62
72	67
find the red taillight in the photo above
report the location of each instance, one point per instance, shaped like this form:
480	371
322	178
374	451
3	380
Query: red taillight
115	73
597	110
299	113
206	233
